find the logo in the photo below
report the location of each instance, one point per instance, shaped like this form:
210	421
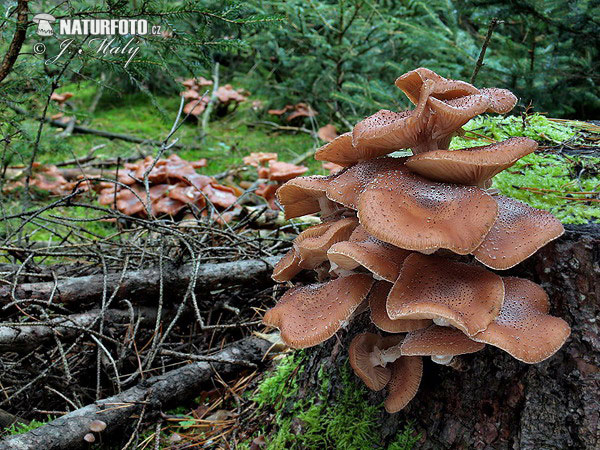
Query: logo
44	22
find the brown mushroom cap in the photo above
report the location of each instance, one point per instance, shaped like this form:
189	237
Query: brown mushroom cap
473	165
97	426
523	328
450	115
309	315
387	131
443	88
429	287
327	133
362	249
339	151
257	159
501	100
312	244
438	341
301	110
282	171
195	107
411	212
364	361
220	195
287	267
90	438
517	234
404	382
300	196
379	316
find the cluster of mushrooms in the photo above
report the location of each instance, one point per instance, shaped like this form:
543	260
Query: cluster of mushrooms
392	234
227	98
174	185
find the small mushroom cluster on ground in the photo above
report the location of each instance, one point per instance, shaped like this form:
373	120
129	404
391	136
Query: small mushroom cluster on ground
395	237
47	178
294	112
274	173
174	187
198	93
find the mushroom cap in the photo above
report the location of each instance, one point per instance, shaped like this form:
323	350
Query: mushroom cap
518	233
195	107
190	94
301	110
280	112
411	212
97	426
282	171
220	195
501	100
90	438
226	94
443	88
257	159
388	131
309	315
339	151
43	16
287	267
471	166
360	355
362	249
404	382
438	341
167	205
312	244
327	133
429	287
379	316
449	115
300	196
523	328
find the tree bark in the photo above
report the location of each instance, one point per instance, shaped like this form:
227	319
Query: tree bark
494	401
143	285
159	392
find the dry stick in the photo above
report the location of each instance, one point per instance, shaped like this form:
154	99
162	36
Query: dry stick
493	23
152	395
141	284
211	102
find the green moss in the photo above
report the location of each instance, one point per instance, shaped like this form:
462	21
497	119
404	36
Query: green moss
347	422
20	428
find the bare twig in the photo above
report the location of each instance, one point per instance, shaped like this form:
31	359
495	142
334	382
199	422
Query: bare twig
493	23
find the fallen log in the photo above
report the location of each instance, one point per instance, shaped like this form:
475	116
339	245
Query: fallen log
151	396
21	337
143	284
495	401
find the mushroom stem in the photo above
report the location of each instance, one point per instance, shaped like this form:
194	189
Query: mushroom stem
383	357
442	322
442	359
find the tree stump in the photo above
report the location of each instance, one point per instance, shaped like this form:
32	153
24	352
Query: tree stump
493	400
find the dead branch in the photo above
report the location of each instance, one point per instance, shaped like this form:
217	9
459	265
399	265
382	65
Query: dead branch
17	42
141	284
152	395
27	336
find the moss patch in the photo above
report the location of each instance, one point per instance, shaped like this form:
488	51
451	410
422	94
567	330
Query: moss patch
347	422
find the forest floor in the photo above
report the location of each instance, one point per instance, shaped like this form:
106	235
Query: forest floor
563	177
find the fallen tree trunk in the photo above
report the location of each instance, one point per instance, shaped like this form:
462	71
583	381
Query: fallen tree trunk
143	284
150	396
495	401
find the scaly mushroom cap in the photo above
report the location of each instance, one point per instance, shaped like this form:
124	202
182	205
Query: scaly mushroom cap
309	315
443	88
379	316
312	244
339	151
300	196
287	267
404	382
438	341
450	115
473	166
387	131
327	133
524	329
430	287
411	212
362	249
501	100
517	234
363	360
282	171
